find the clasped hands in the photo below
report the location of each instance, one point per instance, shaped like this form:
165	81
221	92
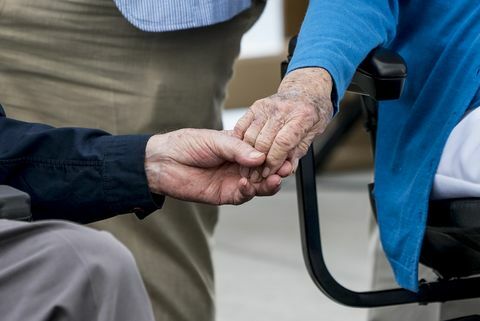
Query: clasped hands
217	167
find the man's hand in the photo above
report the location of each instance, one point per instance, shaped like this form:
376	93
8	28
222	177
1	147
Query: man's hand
284	125
204	166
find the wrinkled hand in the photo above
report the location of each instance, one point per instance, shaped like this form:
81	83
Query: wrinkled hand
204	166
284	125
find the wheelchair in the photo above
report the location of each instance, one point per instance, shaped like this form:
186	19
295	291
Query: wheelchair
14	204
451	245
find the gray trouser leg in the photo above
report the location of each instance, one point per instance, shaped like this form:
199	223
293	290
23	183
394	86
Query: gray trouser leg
56	271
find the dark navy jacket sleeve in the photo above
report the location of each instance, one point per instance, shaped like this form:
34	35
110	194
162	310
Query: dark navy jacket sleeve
76	174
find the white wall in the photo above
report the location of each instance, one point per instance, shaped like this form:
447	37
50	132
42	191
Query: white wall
265	38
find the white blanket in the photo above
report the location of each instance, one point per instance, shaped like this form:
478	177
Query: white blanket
458	174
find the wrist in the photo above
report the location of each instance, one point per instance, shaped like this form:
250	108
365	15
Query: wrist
311	81
155	154
312	86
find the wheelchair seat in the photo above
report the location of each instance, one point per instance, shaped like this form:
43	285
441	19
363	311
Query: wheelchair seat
451	245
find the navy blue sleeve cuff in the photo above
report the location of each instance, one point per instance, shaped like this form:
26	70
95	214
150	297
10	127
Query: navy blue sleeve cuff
124	180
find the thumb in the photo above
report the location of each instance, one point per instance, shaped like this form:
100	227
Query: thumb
233	149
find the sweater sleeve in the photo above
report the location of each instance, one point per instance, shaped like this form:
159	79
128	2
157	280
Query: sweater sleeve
76	174
338	35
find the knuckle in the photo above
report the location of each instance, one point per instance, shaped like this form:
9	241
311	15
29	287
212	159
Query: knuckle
275	158
258	106
278	123
308	113
249	138
238	130
284	143
266	104
241	124
262	145
258	122
302	149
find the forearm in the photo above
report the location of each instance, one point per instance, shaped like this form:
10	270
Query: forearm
337	36
75	174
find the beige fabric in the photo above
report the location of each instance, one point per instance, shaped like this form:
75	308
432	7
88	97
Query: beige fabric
79	63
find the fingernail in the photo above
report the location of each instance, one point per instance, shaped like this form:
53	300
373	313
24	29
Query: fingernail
279	182
255	176
243	181
256	154
294	166
265	172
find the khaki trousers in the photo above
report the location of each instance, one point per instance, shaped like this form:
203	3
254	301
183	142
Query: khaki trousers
80	63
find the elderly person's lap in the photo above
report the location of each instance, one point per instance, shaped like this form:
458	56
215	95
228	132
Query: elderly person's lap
55	270
458	174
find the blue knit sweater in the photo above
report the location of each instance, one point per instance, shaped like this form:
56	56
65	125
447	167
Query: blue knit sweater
440	41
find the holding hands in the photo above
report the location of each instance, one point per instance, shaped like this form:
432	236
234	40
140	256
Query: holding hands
203	165
215	167
284	125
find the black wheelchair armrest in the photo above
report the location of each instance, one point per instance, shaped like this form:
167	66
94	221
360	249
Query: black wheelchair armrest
383	63
14	204
380	76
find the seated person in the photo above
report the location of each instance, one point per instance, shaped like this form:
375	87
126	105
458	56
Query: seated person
440	43
458	173
54	270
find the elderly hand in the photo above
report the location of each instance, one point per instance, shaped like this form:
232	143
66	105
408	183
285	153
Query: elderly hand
284	125
204	166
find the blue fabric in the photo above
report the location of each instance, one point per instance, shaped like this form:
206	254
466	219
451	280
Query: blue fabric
170	15
75	174
440	41
476	100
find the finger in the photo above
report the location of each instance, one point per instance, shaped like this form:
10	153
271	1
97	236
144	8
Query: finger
295	162
288	138
234	150
267	134
256	175
300	151
253	130
286	169
229	132
244	171
243	123
269	186
245	192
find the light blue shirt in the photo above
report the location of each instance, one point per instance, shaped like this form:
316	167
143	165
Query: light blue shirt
171	15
